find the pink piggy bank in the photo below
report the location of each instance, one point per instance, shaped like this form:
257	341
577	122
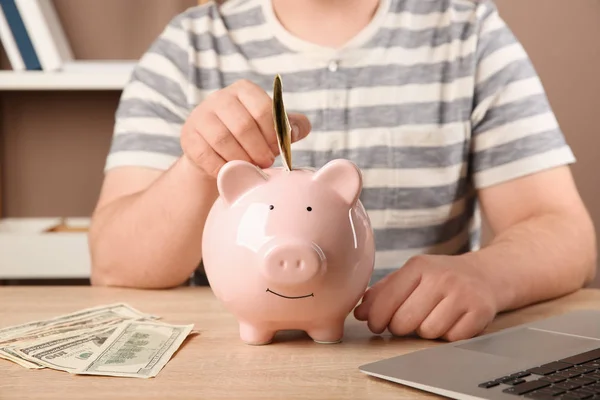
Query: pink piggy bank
289	250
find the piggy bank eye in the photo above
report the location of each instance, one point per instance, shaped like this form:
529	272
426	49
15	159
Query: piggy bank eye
271	207
309	208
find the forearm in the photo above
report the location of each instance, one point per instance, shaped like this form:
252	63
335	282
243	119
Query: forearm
541	258
152	239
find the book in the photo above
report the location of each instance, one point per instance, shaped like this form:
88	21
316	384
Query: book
46	32
10	45
15	38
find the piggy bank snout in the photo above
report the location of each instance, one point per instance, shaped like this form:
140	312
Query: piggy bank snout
291	262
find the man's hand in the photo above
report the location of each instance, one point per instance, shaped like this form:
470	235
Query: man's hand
544	246
235	123
432	296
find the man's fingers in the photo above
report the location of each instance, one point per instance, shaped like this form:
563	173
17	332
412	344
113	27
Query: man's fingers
220	138
238	120
412	312
440	319
200	152
469	325
361	312
236	123
300	126
390	296
260	105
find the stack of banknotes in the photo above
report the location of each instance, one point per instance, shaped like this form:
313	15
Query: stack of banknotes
111	340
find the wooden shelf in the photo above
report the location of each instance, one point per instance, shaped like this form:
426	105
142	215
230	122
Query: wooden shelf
75	80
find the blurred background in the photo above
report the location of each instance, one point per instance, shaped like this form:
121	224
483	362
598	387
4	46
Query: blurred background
56	127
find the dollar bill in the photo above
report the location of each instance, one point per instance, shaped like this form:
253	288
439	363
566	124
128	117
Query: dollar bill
95	321
119	308
79	322
137	349
67	353
9	351
7	355
113	340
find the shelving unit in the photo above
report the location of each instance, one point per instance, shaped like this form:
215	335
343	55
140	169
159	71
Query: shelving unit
55	131
27	249
34	80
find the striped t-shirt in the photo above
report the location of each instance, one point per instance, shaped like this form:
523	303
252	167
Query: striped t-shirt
433	100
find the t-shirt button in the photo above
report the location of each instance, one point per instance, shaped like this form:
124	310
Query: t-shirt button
333	66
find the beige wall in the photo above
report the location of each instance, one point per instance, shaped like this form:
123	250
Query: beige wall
52	164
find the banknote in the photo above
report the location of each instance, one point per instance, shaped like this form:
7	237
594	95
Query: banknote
137	349
119	308
9	351
8	355
92	322
113	340
67	353
78	322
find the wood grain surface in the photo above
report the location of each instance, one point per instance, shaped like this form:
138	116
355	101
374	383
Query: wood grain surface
215	364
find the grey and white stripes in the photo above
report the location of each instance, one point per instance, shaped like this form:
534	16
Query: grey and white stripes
434	100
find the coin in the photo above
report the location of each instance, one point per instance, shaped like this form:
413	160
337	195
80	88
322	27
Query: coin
283	128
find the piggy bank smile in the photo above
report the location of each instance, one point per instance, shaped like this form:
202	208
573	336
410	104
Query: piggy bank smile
290	297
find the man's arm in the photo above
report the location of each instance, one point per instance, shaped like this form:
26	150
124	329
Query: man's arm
147	227
544	244
544	248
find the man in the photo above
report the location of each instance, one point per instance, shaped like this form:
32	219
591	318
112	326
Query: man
436	102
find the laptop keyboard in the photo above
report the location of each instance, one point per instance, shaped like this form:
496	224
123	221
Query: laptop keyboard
572	378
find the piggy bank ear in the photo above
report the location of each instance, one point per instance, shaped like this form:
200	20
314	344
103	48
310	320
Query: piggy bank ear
343	177
236	178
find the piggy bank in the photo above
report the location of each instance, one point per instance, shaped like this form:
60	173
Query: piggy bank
289	250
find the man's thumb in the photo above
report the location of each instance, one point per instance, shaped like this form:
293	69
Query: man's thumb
300	126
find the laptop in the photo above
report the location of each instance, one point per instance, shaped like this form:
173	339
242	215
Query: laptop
552	358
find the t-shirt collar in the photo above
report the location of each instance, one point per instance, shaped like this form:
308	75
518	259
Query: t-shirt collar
323	53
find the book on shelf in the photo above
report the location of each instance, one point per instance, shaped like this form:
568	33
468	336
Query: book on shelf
35	28
46	32
34	40
15	39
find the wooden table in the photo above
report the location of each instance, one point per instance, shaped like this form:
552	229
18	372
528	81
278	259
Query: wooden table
215	364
